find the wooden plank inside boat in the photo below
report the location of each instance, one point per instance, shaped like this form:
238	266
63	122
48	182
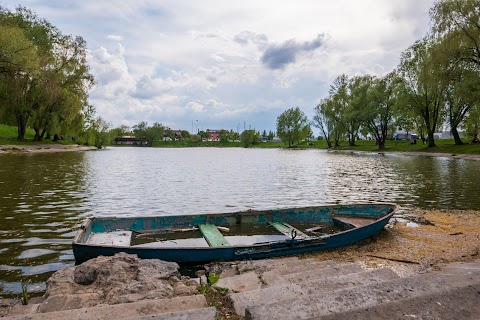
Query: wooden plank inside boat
113	238
356	222
287	229
214	237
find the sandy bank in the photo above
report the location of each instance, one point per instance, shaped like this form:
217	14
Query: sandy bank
43	148
441	236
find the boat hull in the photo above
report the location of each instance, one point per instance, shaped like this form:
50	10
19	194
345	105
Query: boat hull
84	251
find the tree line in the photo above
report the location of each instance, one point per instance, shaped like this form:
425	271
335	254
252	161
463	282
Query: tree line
436	81
45	79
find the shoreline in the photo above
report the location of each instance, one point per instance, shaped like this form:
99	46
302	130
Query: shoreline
414	242
43	148
464	156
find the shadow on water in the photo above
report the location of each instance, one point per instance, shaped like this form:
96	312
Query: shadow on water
44	196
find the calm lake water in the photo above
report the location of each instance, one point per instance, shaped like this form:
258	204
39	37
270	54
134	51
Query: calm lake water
44	196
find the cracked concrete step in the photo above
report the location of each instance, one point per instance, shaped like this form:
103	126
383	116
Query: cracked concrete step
273	278
196	314
243	282
123	310
459	303
316	305
249	281
241	301
284	266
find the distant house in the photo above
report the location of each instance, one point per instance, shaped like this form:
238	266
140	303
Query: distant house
215	134
126	140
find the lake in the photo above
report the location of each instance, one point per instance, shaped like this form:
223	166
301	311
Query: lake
44	196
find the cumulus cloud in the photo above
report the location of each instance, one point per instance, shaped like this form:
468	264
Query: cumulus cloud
277	56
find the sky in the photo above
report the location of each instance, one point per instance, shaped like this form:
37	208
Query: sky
213	64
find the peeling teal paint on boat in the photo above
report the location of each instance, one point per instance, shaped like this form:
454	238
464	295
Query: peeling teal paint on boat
313	215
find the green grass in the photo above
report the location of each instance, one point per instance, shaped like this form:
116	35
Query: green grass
8	135
443	146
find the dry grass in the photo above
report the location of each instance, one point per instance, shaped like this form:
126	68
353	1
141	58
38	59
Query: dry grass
453	236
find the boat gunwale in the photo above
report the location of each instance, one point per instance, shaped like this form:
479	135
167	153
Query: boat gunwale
391	212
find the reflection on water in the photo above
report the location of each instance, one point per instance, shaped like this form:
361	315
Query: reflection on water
44	196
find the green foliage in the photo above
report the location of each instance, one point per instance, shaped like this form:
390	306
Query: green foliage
224	136
148	135
195	138
44	76
421	86
212	278
24	297
250	137
185	134
292	126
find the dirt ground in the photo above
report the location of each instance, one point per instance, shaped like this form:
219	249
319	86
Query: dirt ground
43	148
439	237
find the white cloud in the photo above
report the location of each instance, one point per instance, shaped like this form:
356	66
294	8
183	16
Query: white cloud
226	63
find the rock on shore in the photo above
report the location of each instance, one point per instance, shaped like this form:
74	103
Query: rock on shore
111	280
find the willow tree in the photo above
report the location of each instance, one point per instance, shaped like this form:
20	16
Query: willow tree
422	90
456	26
41	87
324	120
459	22
19	62
381	106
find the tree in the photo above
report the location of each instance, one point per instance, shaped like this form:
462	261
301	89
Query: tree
323	121
472	122
250	137
49	86
455	25
381	107
19	62
147	135
357	100
291	126
102	134
271	135
153	133
224	134
185	134
458	22
421	87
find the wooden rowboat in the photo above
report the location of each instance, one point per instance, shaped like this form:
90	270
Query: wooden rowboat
231	236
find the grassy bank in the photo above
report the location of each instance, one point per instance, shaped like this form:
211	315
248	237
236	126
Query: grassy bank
8	136
443	146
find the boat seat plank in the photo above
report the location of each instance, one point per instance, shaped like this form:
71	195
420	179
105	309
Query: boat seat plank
214	237
113	238
357	222
287	229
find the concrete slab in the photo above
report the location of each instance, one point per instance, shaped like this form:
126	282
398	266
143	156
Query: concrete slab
197	314
461	303
277	294
286	263
242	300
303	267
241	283
365	278
322	304
314	271
121	311
20	309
